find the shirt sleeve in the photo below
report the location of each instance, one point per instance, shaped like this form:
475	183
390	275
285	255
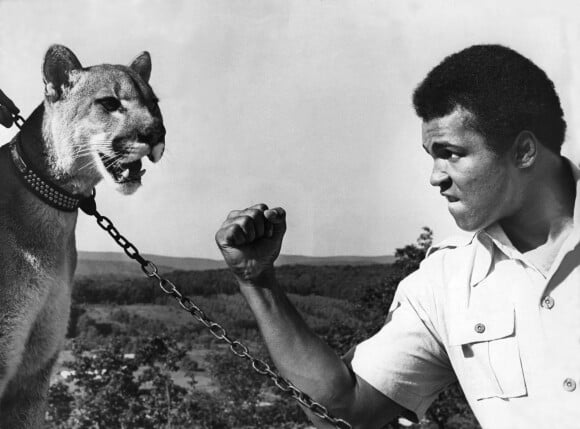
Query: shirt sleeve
406	360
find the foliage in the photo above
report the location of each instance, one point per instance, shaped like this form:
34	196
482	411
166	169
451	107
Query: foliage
451	411
113	390
203	411
337	281
109	389
249	400
60	405
409	257
98	323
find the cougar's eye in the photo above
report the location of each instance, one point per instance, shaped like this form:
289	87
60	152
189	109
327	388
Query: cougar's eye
110	103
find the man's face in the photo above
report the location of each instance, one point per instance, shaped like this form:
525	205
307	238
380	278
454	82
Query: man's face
479	185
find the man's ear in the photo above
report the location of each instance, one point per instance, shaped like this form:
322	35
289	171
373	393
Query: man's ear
142	65
525	149
59	61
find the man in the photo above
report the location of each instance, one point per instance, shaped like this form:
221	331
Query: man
499	312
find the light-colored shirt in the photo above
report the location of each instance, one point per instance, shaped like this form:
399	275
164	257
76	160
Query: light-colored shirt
477	311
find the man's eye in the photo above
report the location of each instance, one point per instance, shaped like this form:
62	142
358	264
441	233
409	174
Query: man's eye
447	154
110	104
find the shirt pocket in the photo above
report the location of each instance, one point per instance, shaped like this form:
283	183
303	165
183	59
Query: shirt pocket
485	354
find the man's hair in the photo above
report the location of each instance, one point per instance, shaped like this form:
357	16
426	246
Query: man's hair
505	91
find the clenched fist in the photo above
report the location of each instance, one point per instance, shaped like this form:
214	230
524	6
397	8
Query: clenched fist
250	240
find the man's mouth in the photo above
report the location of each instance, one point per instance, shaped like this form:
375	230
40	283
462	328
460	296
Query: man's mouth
123	172
450	198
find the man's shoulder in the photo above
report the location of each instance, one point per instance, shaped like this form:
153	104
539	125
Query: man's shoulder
443	259
448	265
451	243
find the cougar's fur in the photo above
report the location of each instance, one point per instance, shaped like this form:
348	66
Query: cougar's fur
95	123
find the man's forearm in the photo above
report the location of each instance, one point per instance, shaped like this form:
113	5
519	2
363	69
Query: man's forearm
250	241
298	353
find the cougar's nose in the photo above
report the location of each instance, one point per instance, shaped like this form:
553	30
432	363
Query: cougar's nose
156	152
155	137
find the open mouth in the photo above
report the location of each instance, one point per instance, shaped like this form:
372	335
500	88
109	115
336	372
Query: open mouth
130	172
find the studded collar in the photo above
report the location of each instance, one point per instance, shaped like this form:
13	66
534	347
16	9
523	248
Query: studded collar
39	184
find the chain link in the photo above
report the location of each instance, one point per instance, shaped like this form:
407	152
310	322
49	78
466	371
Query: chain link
217	330
18	120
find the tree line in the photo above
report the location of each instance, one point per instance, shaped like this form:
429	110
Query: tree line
340	281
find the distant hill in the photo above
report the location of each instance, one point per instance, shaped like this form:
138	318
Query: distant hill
334	260
118	264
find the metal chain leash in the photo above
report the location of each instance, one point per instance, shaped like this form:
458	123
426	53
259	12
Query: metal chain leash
238	348
10	114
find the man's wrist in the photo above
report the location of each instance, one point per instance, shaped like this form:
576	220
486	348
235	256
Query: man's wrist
265	280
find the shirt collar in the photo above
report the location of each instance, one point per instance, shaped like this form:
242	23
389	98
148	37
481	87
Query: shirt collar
482	257
493	238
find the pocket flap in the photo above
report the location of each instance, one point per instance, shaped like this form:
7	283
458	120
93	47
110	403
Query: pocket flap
476	328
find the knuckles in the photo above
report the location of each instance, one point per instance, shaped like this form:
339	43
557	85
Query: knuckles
233	214
253	213
262	207
228	235
247	225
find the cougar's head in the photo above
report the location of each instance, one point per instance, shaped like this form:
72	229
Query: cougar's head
101	121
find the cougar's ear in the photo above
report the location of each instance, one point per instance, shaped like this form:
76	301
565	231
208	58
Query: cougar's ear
59	61
142	65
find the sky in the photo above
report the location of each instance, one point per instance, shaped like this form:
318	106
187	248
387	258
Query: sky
295	103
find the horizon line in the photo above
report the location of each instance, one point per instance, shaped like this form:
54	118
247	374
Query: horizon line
221	260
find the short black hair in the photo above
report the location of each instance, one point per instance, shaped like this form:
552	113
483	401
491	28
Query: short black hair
505	91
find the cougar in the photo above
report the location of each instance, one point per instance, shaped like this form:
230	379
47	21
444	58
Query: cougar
94	123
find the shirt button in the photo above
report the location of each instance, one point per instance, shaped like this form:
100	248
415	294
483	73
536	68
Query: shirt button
569	385
479	328
548	302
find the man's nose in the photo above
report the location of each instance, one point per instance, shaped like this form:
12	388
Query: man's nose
438	175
